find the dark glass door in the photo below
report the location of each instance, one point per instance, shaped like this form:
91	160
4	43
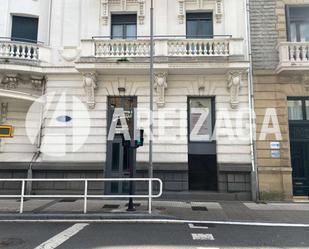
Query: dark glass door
117	156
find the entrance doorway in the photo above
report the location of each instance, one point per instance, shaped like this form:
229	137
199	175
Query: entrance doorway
117	156
202	158
298	108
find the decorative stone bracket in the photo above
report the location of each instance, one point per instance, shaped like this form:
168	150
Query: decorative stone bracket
122	5
104	11
199	4
219	10
4	112
160	86
10	81
90	85
234	83
37	82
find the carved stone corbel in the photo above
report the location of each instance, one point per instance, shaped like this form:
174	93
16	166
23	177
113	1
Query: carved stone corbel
90	85
10	81
160	86
4	112
141	12
219	11
181	11
104	11
37	82
305	81
234	84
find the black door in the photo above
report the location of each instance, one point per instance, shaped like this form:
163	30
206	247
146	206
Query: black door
117	156
300	164
298	108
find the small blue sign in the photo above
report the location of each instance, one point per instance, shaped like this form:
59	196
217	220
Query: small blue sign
275	154
64	119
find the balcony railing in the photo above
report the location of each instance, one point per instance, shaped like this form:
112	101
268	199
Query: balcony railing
217	47
25	51
293	55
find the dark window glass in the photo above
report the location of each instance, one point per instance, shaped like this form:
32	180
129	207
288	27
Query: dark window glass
124	26
295	109
200	119
25	29
199	25
298	108
298	23
115	156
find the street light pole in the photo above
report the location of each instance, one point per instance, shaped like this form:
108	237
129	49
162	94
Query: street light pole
151	99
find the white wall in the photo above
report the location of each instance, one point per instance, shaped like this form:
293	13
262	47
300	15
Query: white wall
179	88
29	8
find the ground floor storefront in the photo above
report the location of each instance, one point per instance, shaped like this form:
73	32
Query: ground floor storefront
74	140
282	157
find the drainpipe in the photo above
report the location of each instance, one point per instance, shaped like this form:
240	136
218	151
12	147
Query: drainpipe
37	154
254	173
49	21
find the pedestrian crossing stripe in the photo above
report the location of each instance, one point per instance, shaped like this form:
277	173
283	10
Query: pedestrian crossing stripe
202	236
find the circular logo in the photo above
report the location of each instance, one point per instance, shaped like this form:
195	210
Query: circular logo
58	123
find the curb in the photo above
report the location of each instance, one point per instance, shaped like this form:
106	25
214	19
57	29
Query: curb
132	218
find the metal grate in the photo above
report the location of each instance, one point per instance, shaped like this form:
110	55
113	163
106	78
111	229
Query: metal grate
199	208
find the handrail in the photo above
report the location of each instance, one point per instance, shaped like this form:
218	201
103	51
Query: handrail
86	196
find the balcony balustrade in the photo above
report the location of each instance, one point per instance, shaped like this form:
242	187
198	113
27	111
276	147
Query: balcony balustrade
293	56
24	51
217	47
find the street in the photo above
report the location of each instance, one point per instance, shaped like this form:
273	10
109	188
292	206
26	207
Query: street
119	235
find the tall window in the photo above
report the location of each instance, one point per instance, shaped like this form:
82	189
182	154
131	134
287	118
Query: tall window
124	26
199	25
24	29
298	23
298	108
201	119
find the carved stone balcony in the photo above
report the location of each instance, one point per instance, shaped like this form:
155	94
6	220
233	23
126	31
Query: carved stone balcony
192	56
293	56
217	47
23	52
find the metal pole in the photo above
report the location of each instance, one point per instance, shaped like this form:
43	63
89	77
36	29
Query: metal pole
151	102
254	173
151	92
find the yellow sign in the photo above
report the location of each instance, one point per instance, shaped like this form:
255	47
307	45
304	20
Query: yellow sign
6	131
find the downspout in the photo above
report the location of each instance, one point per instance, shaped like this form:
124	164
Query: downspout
49	21
37	154
254	173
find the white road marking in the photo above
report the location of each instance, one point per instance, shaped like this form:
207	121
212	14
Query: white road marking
156	221
207	248
192	226
60	238
202	236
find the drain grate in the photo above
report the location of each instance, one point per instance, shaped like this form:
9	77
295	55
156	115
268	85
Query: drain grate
135	204
68	200
196	208
111	206
5	242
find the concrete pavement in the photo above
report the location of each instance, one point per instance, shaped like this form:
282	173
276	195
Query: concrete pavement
229	211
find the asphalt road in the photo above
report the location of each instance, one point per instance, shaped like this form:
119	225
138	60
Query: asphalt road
95	236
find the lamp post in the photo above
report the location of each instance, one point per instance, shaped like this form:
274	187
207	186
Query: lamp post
151	99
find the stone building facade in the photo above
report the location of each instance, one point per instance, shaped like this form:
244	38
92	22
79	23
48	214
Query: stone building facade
279	30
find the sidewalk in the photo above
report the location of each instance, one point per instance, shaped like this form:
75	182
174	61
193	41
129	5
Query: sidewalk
229	211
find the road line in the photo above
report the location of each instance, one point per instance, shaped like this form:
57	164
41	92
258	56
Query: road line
60	238
155	221
202	236
192	226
